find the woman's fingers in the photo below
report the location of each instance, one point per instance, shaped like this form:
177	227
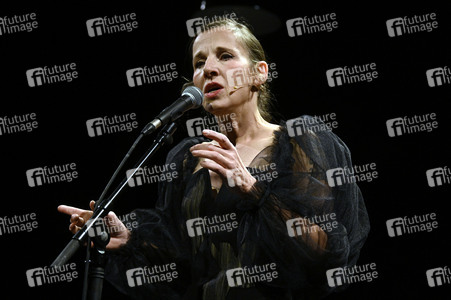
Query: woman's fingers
113	222
222	140
213	166
78	217
77	220
224	157
115	244
214	156
74	228
74	218
117	229
210	147
69	210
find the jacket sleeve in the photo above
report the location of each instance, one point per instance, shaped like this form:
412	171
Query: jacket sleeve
144	267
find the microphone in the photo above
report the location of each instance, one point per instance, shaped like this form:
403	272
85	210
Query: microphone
191	98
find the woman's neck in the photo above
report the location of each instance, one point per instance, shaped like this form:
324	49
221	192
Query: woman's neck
245	126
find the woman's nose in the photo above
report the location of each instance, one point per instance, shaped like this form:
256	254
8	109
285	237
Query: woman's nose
211	67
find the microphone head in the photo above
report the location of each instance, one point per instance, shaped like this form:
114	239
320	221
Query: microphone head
195	95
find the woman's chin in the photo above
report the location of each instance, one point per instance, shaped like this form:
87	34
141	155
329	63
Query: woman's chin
213	106
219	106
216	108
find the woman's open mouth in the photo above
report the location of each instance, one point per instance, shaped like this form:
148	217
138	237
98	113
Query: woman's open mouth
212	89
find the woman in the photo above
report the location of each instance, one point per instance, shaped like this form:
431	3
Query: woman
226	234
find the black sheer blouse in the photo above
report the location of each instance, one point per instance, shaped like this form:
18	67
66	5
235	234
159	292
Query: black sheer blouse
276	242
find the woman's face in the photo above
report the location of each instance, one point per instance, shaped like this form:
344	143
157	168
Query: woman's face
218	61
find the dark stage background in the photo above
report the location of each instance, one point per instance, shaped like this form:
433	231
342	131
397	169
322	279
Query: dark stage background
161	37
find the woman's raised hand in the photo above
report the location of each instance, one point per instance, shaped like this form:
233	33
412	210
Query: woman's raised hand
119	233
224	160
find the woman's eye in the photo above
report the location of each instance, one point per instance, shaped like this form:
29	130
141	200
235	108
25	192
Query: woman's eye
226	56
199	63
223	56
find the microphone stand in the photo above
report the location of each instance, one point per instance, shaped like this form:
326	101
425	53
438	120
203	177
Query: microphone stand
100	240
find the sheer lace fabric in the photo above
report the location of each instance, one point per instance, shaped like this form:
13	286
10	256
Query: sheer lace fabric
298	189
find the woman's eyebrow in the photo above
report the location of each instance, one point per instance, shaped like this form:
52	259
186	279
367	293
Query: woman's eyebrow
199	54
223	49
219	49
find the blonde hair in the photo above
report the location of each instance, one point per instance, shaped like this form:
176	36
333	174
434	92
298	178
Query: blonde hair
255	52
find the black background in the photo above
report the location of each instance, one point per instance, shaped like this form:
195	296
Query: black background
362	109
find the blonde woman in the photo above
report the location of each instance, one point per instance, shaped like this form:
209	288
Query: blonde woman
225	232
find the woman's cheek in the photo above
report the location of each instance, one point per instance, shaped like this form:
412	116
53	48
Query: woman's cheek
196	79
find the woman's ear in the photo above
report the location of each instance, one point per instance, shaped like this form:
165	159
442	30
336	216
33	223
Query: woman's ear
261	74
